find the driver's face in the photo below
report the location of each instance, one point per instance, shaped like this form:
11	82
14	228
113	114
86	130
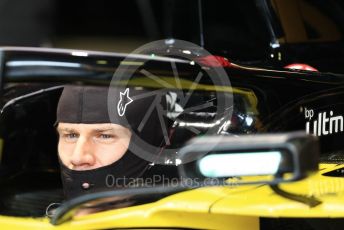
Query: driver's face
90	146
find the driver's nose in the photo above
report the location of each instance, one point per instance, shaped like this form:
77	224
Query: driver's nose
83	155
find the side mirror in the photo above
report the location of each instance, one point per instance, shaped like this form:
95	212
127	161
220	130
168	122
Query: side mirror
250	159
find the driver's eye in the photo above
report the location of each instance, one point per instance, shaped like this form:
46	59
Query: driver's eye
106	136
70	136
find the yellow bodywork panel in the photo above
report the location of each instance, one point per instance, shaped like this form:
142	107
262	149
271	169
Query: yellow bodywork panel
231	207
265	203
182	210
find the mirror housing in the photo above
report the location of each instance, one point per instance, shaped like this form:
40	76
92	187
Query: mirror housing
250	159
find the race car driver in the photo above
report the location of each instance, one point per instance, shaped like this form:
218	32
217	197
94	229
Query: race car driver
94	144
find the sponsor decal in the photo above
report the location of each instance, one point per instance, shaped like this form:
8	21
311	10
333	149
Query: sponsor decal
323	123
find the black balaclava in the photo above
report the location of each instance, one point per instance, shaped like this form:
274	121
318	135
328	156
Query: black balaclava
89	105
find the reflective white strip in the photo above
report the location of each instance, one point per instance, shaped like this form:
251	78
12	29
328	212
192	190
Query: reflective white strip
42	63
240	164
79	53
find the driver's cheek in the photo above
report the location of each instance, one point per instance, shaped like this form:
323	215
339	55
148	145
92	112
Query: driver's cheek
110	152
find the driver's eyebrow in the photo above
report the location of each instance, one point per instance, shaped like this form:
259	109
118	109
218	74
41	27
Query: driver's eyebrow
66	129
99	130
